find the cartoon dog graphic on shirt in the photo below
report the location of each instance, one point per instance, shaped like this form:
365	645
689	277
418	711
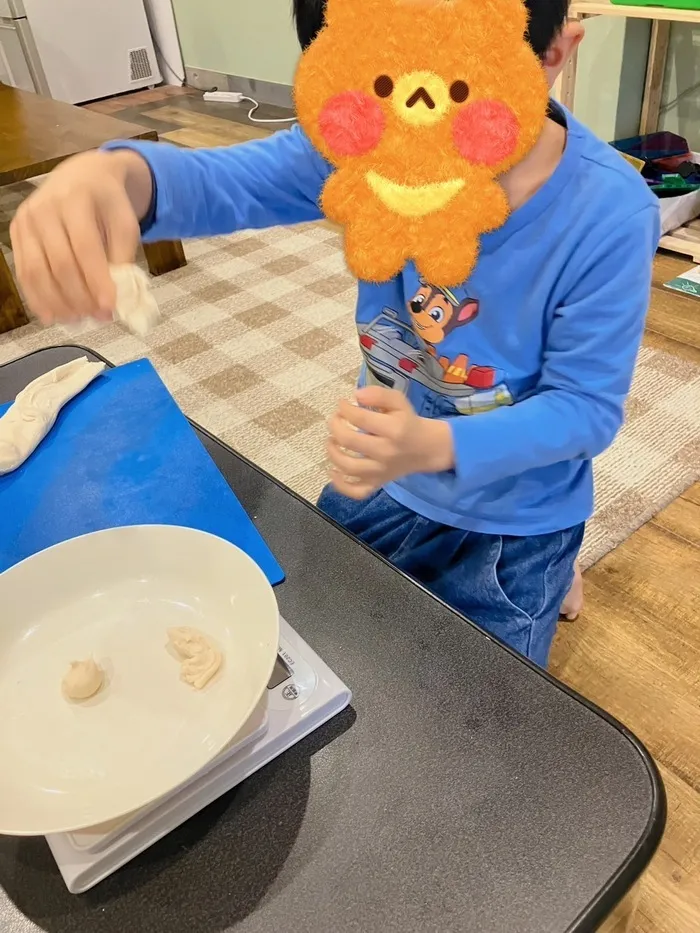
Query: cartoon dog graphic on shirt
397	353
436	313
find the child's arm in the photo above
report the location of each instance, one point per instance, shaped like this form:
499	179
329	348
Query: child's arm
589	360
87	213
206	192
574	413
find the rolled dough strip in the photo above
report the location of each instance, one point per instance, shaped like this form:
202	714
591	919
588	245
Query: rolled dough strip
136	308
33	413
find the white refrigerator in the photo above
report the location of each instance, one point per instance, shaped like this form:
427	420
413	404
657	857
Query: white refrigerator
76	50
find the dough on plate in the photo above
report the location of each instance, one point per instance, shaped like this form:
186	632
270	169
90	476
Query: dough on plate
136	308
83	680
33	413
200	658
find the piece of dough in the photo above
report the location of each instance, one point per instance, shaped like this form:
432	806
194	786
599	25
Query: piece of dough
200	658
136	308
32	415
83	680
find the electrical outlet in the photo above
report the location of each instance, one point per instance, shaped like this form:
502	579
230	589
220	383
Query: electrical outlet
223	97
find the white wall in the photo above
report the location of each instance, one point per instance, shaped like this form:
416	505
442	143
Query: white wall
246	38
256	39
611	71
161	19
681	97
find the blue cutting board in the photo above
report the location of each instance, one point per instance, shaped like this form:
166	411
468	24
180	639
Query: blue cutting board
121	453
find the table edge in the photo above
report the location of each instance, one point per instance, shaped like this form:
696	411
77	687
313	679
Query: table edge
641	854
17	176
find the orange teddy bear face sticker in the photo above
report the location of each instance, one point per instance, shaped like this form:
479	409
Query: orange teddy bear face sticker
420	105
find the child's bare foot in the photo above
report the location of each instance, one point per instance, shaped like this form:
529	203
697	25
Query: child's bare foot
573	604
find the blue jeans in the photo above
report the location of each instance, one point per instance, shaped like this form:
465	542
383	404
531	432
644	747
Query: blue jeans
511	587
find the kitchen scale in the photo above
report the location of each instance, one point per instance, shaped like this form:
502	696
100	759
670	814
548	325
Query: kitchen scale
303	693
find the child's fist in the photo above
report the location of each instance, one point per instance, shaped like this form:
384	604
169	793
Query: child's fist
382	440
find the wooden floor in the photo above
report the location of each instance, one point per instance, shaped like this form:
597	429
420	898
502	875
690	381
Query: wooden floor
636	649
181	116
636	652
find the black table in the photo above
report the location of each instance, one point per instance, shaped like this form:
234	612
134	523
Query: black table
465	790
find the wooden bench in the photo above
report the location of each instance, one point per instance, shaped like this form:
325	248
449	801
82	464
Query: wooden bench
37	133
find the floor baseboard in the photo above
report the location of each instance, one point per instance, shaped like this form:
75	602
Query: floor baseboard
265	92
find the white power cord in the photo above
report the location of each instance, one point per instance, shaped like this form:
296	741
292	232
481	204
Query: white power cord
234	97
259	120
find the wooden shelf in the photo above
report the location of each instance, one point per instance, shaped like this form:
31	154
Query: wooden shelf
606	8
685	241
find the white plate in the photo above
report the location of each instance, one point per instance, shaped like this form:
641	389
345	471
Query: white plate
112	595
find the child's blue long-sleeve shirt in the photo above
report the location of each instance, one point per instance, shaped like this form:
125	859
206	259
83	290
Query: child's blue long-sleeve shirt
530	361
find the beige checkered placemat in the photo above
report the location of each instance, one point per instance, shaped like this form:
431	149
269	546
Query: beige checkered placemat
258	343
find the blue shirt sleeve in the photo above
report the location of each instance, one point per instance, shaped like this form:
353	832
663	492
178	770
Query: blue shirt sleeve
206	192
589	359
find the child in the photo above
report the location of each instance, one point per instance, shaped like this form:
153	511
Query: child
467	460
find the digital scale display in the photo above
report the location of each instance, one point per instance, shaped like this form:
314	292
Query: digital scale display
279	674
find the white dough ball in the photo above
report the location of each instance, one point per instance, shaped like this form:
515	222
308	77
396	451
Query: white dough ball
83	680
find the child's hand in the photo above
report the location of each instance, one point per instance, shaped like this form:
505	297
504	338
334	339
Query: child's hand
368	449
84	216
